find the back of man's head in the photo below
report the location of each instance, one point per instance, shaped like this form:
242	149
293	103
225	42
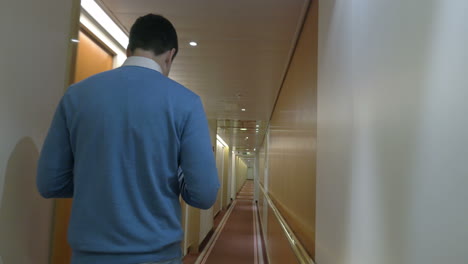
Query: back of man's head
153	33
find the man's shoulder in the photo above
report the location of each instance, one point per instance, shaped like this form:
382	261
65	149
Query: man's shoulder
180	90
106	76
184	99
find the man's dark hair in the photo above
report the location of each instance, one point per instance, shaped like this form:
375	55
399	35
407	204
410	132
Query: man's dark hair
154	33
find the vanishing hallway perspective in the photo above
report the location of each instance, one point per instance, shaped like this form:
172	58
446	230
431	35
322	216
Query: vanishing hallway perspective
237	239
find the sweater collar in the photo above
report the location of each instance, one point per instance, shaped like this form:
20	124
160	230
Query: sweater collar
142	62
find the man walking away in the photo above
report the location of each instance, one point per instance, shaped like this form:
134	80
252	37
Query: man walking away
115	145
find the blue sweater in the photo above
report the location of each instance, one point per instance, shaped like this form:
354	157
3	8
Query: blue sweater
115	145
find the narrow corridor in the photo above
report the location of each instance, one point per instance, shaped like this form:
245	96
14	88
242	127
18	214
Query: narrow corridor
237	238
338	128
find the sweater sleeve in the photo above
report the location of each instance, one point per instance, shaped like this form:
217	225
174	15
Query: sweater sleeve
55	167
200	183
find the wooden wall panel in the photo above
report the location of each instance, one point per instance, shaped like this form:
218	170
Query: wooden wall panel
279	250
261	164
293	136
91	58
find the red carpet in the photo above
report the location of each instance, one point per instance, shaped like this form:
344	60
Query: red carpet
237	240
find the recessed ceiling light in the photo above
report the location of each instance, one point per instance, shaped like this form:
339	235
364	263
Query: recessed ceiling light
258	125
243	109
243	129
246	138
193	43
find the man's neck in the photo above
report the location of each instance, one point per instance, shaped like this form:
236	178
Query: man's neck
149	55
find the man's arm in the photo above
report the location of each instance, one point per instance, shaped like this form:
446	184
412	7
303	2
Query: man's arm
200	181
55	168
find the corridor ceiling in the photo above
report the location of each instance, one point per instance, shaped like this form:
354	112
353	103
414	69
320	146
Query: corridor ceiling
243	51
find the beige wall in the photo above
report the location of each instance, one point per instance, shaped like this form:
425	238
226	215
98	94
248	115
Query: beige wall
250	173
277	245
207	216
220	166
193	227
241	173
261	165
33	77
392	170
278	250
293	138
226	199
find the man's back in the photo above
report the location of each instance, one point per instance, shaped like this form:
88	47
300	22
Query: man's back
129	130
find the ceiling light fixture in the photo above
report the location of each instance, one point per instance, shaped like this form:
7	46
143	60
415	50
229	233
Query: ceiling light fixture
101	17
193	43
243	129
220	139
243	109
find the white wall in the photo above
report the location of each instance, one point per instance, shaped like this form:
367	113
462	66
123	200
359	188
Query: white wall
232	176
256	175
207	216
392	132
220	167
250	173
34	48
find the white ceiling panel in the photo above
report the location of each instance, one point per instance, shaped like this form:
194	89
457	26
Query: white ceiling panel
243	50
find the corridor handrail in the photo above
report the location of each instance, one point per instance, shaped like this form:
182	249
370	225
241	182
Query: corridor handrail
295	244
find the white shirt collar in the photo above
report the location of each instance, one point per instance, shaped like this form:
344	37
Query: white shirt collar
142	62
